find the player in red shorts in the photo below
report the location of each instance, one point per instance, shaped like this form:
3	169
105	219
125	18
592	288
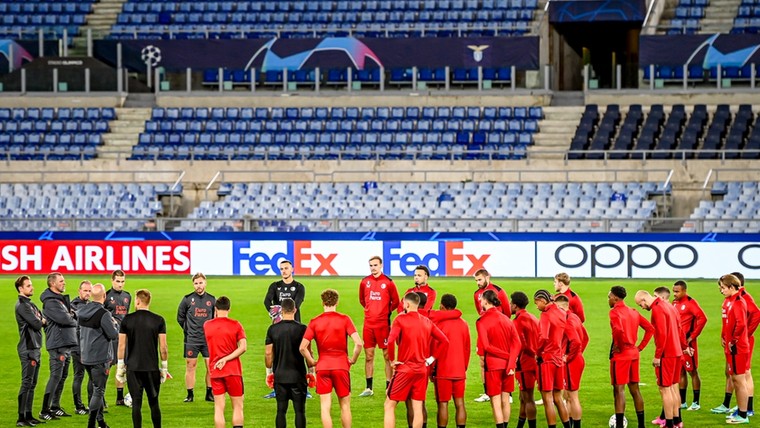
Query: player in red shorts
669	343
414	333
379	297
226	343
526	372
421	275
575	344
734	338
562	286
550	358
330	330
483	280
693	320
624	353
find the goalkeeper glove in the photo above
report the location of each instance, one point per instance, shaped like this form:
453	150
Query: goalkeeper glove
270	378
311	379
121	371
164	371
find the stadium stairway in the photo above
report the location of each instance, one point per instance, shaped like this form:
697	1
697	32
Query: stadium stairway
558	125
103	15
124	132
719	16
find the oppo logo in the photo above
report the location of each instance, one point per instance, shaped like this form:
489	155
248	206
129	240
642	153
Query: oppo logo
641	256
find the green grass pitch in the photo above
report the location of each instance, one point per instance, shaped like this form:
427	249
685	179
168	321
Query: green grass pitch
247	293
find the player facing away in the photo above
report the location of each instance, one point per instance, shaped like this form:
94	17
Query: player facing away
330	330
118	301
499	345
550	358
421	275
669	344
483	281
226	343
450	371
286	369
30	322
575	343
85	289
624	353
195	309
562	286
144	334
379	297
693	321
414	334
526	371
734	338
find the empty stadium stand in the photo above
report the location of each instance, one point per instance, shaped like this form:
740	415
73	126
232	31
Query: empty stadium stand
747	19
733	207
25	19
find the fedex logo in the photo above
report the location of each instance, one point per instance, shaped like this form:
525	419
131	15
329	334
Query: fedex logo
264	257
442	258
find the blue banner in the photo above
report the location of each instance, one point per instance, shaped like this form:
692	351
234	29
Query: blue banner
706	50
568	11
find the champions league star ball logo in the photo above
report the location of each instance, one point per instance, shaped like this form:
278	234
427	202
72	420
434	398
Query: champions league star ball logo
477	51
151	55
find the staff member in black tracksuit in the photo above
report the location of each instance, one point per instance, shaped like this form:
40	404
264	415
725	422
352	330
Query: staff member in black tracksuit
60	339
194	310
286	288
118	301
30	322
97	331
85	288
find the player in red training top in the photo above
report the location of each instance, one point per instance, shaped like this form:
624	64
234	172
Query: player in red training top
450	371
379	297
669	343
331	330
226	343
693	320
562	286
499	346
483	280
575	343
528	330
414	333
550	357
734	338
421	275
624	353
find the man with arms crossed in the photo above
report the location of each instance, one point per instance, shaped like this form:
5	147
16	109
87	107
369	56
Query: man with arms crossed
194	311
483	281
97	330
421	275
330	330
144	333
30	322
624	353
734	338
414	333
85	288
118	301
526	371
550	358
379	297
575	344
226	343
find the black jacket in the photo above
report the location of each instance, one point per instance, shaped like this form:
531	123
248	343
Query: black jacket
61	327
29	320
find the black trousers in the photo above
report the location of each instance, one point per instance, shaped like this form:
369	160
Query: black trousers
150	383
30	371
59	371
295	392
76	385
98	378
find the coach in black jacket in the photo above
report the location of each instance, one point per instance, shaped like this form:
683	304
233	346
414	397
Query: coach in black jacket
30	322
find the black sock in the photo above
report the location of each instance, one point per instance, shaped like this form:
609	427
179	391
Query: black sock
676	420
424	425
484	389
640	418
577	423
520	422
458	426
683	395
742	414
440	426
566	424
696	396
619	420
669	423
750	405
662	414
369	383
555	426
238	426
190	392
120	393
531	423
727	399
387	384
209	391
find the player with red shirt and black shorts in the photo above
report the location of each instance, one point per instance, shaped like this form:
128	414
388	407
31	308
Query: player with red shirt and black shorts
331	330
693	320
414	333
379	297
734	338
499	346
562	286
575	343
624	353
483	280
226	343
550	358
421	275
526	372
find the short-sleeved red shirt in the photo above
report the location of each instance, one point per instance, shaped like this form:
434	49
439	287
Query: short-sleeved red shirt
331	331
222	336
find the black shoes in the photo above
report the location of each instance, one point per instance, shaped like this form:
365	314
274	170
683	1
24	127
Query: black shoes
120	403
210	397
59	412
48	415
188	399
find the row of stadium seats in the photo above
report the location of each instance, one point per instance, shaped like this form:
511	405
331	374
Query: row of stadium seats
737	211
324	5
62	113
747	18
40	139
13	126
32	8
43	20
695	72
48	152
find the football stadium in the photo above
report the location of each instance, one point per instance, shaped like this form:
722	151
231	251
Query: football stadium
410	155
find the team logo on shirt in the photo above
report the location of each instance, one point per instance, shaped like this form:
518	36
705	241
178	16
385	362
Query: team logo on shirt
368	284
192	301
208	303
126	301
382	286
292	289
683	307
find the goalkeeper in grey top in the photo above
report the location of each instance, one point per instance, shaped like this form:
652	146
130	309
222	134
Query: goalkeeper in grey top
194	310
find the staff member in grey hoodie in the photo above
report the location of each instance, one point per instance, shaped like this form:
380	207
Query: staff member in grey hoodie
85	288
97	329
60	338
30	322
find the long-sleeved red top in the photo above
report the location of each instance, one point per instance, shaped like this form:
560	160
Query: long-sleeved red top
576	305
425	289
668	339
527	328
551	331
693	318
498	340
379	297
625	322
734	330
500	293
753	312
576	337
414	333
453	363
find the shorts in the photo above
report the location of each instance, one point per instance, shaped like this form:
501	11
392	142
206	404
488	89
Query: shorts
737	363
669	371
376	336
526	379
551	377
624	371
446	388
574	372
340	380
194	350
691	362
498	381
406	385
232	385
